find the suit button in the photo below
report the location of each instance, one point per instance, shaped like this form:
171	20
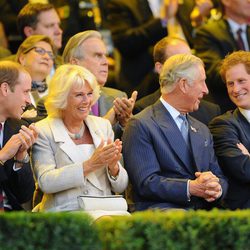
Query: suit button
86	192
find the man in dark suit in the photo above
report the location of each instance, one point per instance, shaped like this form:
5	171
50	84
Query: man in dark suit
168	154
231	131
16	178
218	38
166	47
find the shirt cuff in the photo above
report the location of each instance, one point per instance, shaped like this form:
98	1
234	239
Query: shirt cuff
188	193
15	168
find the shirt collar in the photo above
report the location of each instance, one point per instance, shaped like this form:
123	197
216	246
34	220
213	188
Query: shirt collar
245	113
235	26
173	112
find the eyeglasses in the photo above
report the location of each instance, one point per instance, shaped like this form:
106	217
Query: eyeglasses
41	51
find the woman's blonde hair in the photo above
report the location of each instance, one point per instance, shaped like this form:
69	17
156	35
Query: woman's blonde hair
66	77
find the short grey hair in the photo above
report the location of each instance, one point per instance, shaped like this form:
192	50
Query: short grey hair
177	67
66	77
72	48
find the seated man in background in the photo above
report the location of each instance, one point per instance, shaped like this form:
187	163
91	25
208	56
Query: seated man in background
168	154
231	131
87	49
166	47
217	38
16	178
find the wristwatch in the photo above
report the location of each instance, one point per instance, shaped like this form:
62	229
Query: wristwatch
26	159
114	178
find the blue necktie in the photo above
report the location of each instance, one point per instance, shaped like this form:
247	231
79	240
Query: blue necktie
184	127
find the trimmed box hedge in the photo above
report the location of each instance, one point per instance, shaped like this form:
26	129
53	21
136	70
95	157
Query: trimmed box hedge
178	230
42	231
150	230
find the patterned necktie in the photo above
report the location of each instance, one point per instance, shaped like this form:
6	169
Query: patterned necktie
184	127
239	41
41	87
95	109
1	190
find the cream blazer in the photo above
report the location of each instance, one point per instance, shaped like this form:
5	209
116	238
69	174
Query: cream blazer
58	167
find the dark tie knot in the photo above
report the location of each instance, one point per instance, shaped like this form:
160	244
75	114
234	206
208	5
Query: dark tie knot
39	86
239	31
183	117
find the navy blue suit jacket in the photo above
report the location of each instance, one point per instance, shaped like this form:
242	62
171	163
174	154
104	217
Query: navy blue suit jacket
17	185
228	130
155	159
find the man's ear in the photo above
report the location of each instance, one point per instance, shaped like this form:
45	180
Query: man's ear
158	67
28	31
183	85
4	88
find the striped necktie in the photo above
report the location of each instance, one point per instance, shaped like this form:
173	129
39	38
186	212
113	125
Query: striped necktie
239	40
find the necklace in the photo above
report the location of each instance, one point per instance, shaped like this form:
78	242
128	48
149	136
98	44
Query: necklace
77	136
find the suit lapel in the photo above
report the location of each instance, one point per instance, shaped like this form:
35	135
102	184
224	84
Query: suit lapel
70	148
248	36
105	102
196	141
169	128
245	126
97	136
61	136
226	33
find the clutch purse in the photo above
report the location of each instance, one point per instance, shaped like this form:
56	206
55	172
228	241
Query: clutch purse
107	203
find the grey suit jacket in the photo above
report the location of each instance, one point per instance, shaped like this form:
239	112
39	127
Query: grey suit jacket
107	97
156	158
59	170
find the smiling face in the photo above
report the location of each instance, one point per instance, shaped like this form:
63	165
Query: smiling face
196	90
39	66
95	59
18	98
238	86
79	103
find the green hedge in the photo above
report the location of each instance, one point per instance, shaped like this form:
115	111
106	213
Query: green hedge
178	230
173	230
42	231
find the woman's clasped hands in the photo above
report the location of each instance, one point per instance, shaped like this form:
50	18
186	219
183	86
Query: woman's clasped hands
107	154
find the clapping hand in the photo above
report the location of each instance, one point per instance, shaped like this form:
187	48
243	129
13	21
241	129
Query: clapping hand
106	154
19	143
123	108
